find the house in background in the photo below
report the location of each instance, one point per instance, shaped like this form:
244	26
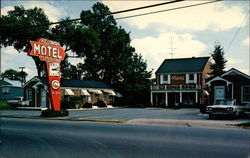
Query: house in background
36	91
233	84
10	89
181	80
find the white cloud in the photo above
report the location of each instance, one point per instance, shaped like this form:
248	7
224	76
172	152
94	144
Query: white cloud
246	41
156	49
54	13
216	16
11	59
5	10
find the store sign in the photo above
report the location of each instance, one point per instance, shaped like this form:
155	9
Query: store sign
52	53
178	78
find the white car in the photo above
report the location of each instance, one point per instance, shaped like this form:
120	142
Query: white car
18	101
224	107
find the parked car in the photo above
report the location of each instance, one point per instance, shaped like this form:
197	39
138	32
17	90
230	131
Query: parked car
18	102
246	109
224	107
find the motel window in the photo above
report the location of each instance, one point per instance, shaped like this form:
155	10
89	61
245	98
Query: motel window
165	78
191	77
246	94
6	90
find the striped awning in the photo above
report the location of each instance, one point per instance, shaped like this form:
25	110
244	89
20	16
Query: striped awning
96	91
68	92
84	92
110	92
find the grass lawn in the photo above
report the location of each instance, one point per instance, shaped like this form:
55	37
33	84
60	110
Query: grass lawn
244	125
5	106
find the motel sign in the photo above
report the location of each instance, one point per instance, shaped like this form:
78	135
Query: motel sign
52	54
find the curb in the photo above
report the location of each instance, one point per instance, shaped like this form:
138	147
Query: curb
65	119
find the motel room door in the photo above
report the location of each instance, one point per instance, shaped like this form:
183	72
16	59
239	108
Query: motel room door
43	98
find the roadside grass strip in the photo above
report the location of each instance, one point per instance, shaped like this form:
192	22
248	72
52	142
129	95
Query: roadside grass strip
245	125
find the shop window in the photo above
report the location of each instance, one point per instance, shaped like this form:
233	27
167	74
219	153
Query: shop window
246	94
6	90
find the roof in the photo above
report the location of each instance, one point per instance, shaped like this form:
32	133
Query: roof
235	71
183	65
15	83
84	84
74	83
4	83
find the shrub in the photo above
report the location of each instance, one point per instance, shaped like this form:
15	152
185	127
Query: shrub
65	104
87	105
101	104
52	113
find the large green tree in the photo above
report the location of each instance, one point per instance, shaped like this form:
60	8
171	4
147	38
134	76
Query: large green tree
219	61
19	26
115	62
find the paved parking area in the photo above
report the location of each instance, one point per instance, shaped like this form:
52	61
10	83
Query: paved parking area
125	114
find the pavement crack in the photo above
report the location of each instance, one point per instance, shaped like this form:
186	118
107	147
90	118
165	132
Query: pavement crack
188	124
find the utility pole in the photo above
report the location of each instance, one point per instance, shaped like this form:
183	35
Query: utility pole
171	43
22	75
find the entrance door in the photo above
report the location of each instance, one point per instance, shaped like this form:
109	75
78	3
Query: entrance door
43	98
219	92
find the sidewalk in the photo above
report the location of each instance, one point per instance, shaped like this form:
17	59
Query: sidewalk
188	123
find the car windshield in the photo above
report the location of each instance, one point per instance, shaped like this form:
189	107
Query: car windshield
224	102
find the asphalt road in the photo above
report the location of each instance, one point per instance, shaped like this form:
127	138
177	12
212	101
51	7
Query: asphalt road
22	138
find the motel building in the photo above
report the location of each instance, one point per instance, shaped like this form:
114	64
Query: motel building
37	93
181	81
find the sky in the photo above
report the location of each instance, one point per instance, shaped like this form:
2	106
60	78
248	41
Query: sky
193	31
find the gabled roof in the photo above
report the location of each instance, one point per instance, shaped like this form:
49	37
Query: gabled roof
74	83
183	65
235	71
4	83
218	78
15	83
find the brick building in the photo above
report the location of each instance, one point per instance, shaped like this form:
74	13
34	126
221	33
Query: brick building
181	81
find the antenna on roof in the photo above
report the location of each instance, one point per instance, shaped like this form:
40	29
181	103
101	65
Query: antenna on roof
171	42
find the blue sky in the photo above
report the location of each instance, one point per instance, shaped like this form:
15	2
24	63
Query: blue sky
194	31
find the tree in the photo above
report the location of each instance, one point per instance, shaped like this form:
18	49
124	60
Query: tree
12	74
115	62
219	61
18	27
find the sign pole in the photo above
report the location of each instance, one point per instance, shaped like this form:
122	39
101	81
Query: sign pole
52	53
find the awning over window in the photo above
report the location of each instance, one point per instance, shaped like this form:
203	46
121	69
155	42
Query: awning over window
84	92
110	92
68	92
96	91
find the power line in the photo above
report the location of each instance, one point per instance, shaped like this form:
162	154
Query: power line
117	12
187	6
237	31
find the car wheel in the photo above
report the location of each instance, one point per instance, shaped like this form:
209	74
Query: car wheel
211	116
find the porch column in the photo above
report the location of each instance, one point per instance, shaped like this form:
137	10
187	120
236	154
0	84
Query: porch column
196	97
180	97
151	98
166	100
